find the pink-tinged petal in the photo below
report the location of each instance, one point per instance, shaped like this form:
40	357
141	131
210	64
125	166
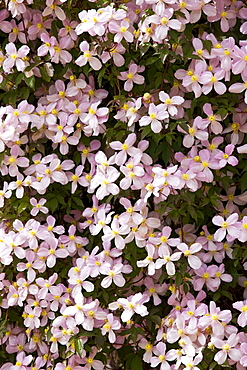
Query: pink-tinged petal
194	262
220	357
128	85
119	280
126	315
188	141
138	79
106	282
220	234
10	48
220	88
196	247
237	87
81	61
242	319
217	220
97	365
170	268
95	63
156	126
235	354
216	127
232	218
144	121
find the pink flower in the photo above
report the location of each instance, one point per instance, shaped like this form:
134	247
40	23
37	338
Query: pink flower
156	114
4	193
114	274
131	305
229	225
215	319
193	261
210	80
22	361
162	356
14	57
227	349
106	180
241	306
110	325
121	31
88	57
132	76
227	158
170	102
125	148
38	206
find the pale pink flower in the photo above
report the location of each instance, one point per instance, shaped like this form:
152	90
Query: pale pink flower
22	361
188	252
53	9
114	274
162	356
156	114
114	233
91	362
149	260
4	193
170	102
111	324
226	157
227	226
125	148
242	307
38	206
121	31
239	87
210	80
14	57
88	57
132	76
227	349
215	318
131	305
106	180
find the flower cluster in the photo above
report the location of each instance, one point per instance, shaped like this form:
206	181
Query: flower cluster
123	193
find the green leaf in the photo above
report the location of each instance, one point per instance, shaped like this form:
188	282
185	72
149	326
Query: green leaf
136	363
52	204
78	346
19	79
156	319
207	45
22	207
243	182
184	126
30	81
54	29
152	60
24	92
178	279
212	365
44	74
216	296
32	65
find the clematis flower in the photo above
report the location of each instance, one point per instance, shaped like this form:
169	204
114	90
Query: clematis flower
227	226
132	76
14	57
111	324
156	114
227	349
188	252
88	57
